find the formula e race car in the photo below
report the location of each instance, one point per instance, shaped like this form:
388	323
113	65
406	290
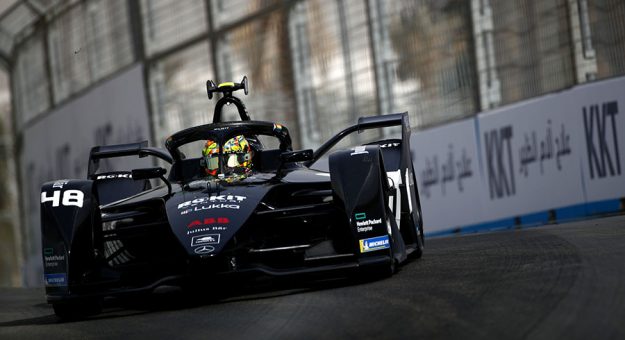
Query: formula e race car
235	207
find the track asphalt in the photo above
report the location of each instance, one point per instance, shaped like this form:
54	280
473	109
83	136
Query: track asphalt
559	281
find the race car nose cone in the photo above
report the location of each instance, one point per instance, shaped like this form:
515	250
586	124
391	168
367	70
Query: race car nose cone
204	221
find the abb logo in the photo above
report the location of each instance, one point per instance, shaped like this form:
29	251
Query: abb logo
207	221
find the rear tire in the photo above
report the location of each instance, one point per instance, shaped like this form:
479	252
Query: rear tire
418	252
390	268
77	310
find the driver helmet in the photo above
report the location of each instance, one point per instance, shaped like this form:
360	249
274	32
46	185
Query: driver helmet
210	152
237	157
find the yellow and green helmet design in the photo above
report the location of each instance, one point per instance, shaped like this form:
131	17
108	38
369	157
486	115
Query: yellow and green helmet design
235	156
210	152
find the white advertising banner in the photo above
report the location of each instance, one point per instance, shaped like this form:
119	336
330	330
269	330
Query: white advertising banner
448	176
530	155
57	146
556	151
600	110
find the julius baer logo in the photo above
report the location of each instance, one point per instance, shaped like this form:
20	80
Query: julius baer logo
363	224
212	202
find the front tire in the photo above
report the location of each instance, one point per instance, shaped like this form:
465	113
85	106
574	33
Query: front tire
387	269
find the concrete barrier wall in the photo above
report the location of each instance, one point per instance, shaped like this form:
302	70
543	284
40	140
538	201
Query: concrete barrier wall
57	146
549	159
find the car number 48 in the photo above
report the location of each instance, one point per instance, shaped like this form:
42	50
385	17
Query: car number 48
69	198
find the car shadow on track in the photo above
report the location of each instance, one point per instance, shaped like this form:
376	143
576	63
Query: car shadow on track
171	298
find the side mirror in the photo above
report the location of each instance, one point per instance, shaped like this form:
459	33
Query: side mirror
246	88
296	156
149	173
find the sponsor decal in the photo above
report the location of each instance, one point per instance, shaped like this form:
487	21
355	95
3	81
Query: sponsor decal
500	169
374	243
52	261
360	216
359	150
57	279
212	199
66	198
369	222
207	229
204	250
454	167
113	176
601	132
205	239
59	184
208	221
209	207
389	145
364	226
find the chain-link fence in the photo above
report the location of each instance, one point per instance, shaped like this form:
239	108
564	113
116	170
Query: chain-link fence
318	65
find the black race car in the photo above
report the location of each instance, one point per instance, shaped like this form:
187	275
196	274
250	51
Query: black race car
114	234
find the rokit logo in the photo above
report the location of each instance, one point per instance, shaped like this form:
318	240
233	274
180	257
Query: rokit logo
212	202
389	145
114	176
212	199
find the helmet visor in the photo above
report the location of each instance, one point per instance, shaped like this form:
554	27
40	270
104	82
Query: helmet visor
236	163
212	161
235	160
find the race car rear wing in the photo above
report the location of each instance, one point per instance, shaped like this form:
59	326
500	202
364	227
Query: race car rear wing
366	123
140	149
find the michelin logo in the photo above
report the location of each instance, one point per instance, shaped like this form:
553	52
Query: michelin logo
57	279
364	226
374	243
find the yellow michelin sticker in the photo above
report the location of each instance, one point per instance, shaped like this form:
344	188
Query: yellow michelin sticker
374	243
